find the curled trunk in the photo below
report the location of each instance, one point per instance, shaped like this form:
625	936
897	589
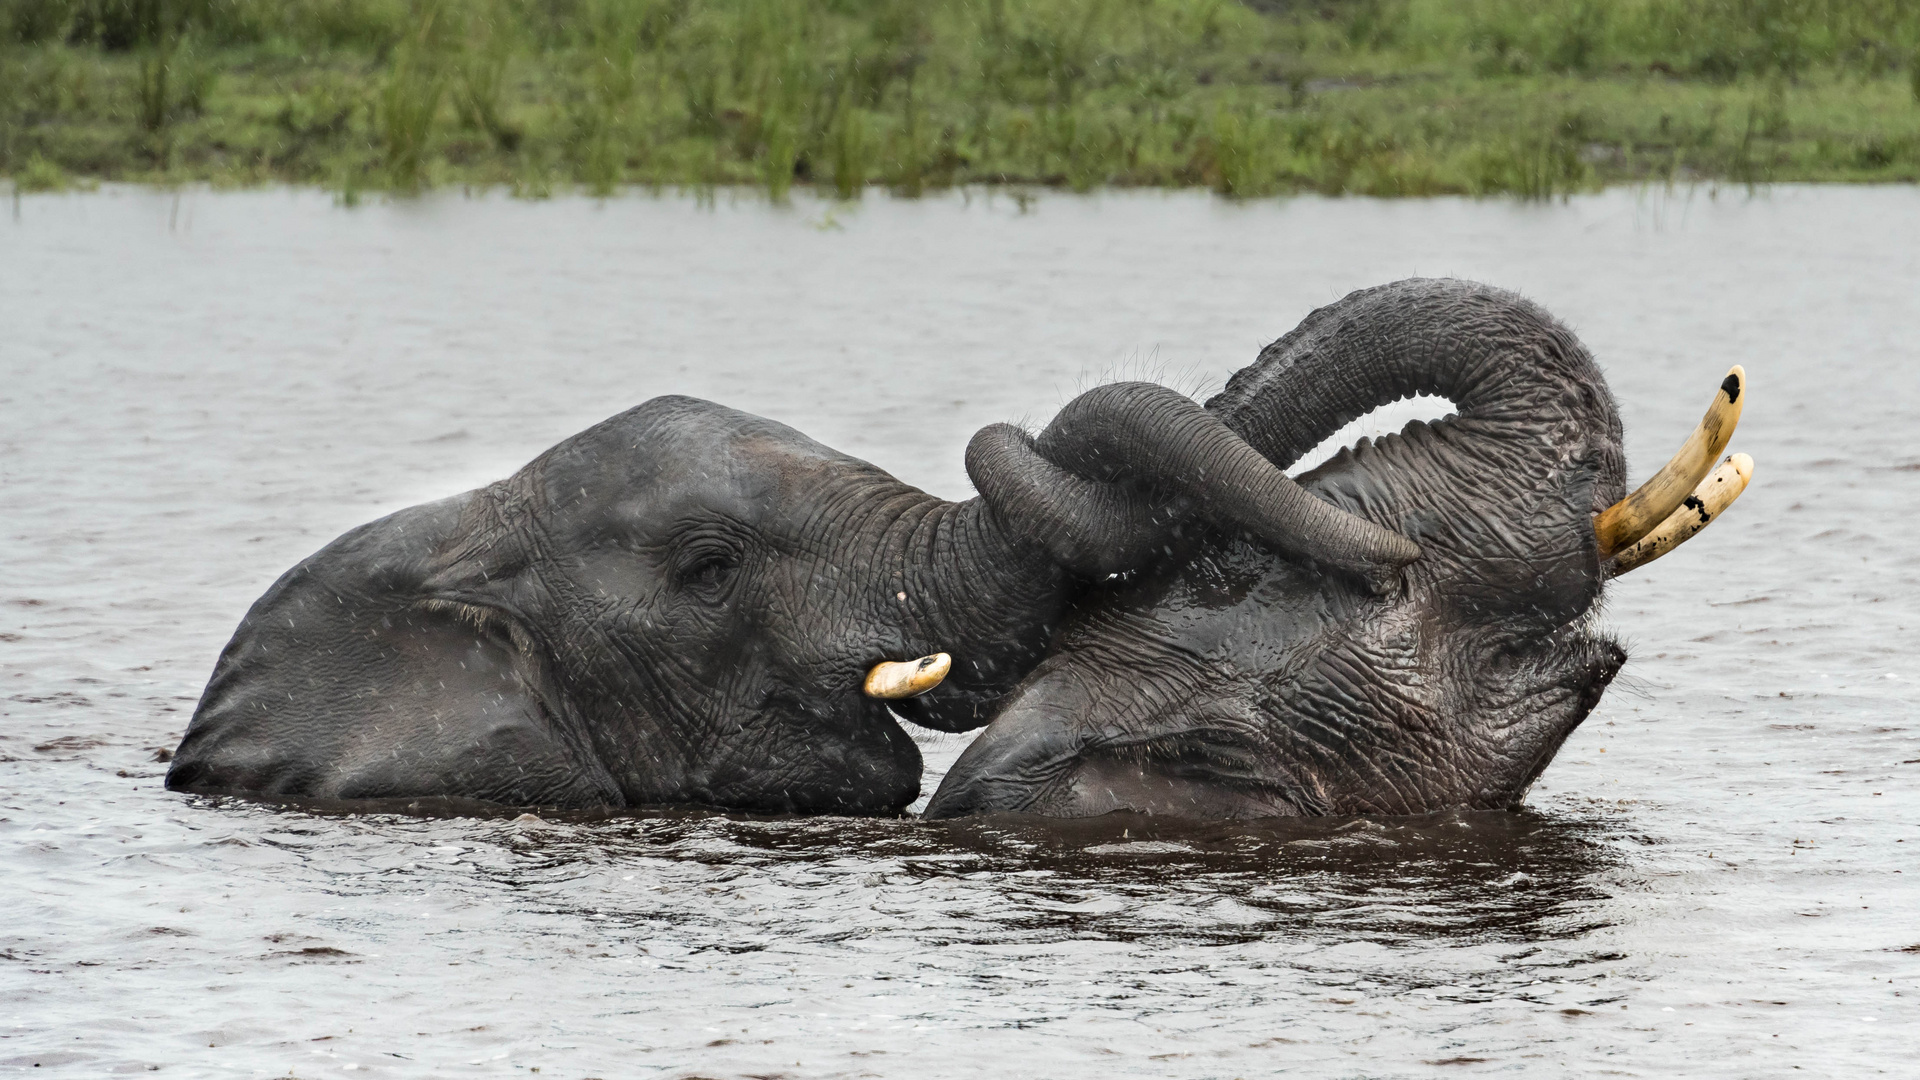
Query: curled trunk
1502	493
1106	488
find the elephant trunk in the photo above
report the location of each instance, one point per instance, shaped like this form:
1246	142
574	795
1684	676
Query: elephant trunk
987	597
1103	490
1511	370
1501	496
1108	482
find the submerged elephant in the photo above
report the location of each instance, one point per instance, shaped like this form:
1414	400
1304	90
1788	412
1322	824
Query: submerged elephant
688	604
1226	682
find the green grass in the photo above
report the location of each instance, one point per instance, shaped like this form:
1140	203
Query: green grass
1385	97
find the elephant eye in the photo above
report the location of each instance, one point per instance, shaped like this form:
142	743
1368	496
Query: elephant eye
708	571
705	557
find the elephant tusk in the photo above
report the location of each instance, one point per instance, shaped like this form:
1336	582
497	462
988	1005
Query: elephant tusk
896	679
1620	525
1714	495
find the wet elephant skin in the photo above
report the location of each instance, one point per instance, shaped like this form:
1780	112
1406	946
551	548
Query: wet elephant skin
1235	683
678	606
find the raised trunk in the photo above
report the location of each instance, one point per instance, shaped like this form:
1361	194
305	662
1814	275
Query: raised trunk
1512	371
1500	496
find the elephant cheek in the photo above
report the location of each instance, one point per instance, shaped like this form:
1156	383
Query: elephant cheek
879	769
1550	714
886	773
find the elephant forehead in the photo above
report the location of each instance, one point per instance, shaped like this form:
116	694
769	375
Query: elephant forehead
674	455
1234	604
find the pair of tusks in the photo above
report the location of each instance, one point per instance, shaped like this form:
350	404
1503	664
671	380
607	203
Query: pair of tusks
1685	495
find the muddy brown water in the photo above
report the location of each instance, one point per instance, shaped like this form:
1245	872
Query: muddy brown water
1717	877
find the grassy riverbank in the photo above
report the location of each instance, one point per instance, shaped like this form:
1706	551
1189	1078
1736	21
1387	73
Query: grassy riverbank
1532	97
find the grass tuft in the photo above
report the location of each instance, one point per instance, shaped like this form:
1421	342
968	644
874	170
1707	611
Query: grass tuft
410	97
39	174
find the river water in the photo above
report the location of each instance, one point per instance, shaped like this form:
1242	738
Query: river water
198	389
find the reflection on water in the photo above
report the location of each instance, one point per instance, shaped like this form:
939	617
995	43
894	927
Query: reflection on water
1712	879
1473	878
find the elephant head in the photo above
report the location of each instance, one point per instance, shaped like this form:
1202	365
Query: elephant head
689	604
1228	682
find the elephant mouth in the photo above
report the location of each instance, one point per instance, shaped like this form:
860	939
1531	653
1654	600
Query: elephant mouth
808	756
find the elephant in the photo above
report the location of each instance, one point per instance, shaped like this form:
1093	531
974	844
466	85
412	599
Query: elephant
690	605
1224	681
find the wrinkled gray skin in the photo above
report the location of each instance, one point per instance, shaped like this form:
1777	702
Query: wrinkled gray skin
678	606
1229	682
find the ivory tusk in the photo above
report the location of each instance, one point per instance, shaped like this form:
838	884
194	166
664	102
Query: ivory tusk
896	679
1714	495
1623	523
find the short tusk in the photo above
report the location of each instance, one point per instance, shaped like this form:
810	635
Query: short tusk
1714	494
1633	517
896	679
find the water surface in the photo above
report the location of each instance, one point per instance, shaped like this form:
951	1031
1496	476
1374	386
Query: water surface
197	390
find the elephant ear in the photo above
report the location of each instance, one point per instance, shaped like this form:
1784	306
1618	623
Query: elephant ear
385	666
